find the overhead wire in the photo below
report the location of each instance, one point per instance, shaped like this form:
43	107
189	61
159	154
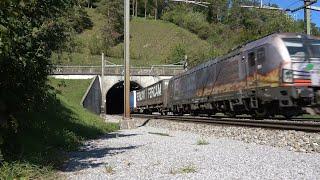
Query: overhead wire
293	4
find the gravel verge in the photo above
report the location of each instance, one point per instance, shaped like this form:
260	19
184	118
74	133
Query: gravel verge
298	141
157	153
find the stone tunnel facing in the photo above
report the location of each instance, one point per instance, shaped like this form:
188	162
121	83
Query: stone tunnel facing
115	99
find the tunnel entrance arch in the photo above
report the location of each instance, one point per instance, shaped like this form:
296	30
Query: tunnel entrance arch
115	99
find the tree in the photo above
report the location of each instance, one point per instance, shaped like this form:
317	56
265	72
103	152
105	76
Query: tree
29	32
113	28
156	10
145	8
217	10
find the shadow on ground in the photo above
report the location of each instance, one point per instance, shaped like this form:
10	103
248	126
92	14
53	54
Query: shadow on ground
90	155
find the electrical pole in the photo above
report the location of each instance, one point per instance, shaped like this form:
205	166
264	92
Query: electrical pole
126	123
307	17
102	87
307	14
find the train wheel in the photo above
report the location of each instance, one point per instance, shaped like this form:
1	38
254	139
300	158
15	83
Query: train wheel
288	116
261	112
194	113
231	114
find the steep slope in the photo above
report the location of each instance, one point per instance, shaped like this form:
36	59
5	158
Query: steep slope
160	42
152	42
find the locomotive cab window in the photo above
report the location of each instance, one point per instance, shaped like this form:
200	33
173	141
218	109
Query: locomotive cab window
261	55
252	58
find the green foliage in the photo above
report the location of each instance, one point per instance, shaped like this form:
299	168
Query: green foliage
184	170
96	45
29	31
178	54
224	25
112	30
45	135
187	18
17	170
202	142
229	25
26	43
146	47
79	19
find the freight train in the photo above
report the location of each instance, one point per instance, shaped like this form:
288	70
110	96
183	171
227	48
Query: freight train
276	75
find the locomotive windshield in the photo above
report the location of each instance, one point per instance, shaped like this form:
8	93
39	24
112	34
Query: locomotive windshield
300	48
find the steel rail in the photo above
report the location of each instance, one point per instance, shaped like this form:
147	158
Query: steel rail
309	126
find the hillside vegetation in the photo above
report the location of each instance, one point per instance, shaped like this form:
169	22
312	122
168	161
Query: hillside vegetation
152	42
198	33
45	136
160	42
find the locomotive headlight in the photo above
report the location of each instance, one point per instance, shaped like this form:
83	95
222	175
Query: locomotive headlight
287	75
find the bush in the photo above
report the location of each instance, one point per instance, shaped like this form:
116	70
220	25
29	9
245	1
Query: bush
97	45
43	137
178	54
79	19
195	22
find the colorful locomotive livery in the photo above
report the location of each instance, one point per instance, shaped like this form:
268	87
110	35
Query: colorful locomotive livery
275	75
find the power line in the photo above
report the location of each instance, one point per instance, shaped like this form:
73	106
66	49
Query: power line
307	13
199	3
293	4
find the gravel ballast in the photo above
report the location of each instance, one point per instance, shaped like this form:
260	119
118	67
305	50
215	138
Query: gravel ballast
158	153
298	141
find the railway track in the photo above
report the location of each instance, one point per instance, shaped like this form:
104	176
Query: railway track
304	124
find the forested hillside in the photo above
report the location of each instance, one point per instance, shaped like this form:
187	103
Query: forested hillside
220	27
152	42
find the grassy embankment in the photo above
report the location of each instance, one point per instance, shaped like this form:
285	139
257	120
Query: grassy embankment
152	42
48	135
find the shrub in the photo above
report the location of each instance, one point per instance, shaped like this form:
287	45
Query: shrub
193	21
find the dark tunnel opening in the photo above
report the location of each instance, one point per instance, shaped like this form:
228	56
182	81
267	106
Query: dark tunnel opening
115	99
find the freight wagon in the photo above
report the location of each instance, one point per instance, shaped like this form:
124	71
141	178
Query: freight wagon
152	98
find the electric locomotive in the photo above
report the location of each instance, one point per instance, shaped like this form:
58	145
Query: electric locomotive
276	75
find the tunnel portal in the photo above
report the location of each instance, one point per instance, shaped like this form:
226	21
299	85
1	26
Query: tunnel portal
115	99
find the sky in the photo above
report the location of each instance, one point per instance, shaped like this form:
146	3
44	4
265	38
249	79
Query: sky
292	4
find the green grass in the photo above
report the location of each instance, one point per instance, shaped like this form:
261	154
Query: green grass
184	170
17	170
152	42
47	135
202	142
109	169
